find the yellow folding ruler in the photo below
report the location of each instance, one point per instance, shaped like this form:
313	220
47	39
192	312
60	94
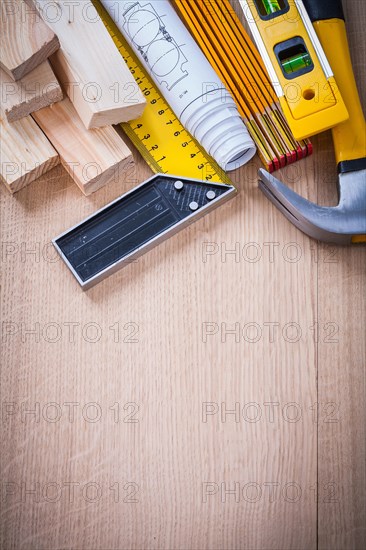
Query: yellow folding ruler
158	135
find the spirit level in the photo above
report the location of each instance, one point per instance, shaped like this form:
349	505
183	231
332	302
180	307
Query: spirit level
297	65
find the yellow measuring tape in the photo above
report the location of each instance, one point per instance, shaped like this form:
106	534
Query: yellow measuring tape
158	135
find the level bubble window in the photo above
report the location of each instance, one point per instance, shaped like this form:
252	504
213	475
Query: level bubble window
268	9
293	57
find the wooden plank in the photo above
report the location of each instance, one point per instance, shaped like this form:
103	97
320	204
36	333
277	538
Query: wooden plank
78	472
25	40
89	66
26	153
342	410
342	353
137	338
149	322
94	157
36	90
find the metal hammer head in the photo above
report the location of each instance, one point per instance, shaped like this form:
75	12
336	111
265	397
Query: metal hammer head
339	224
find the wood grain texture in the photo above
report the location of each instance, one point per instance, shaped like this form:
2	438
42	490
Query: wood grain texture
167	369
25	152
342	365
36	90
138	340
25	40
89	66
94	157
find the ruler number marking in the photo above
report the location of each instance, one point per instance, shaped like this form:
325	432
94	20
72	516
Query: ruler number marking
152	139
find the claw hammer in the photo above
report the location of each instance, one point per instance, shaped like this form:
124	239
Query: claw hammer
346	222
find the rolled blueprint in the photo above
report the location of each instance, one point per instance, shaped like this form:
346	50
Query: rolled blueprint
184	77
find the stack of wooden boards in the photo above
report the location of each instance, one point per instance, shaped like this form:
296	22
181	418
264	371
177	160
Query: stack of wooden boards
39	127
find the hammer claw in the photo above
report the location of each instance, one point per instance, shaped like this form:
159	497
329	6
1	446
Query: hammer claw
334	224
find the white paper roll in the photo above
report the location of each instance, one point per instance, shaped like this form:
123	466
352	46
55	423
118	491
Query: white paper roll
184	77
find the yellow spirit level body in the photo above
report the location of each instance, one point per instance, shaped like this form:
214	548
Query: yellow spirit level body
297	65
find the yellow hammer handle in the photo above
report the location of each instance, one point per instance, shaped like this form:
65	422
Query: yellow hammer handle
350	136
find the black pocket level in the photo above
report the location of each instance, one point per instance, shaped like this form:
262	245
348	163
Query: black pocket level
136	222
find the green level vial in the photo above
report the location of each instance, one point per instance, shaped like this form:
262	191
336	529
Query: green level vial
296	63
271	6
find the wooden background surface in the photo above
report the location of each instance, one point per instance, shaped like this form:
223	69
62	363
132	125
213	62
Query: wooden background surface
120	451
